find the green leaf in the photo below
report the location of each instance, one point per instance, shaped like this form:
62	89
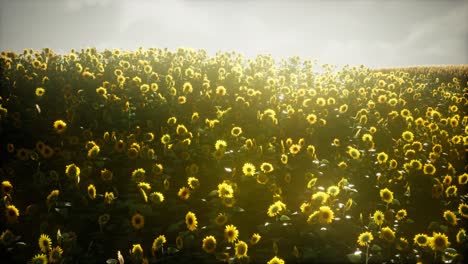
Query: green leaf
396	202
112	261
284	218
375	247
172	250
238	209
354	258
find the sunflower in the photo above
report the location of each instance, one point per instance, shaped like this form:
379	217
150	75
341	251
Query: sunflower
191	221
6	188
157	169
106	175
12	214
365	238
333	190
451	191
225	190
60	126
165	139
407	136
221	219
421	240
378	217
91	192
179	242
93	152
401	214
138	175
209	244
45	243
266	167
248	169
353	153
55	255
343	108
294	149
387	234
39	259
119	146
52	197
463	210
326	215
319	198
184	193
386	195
255	238
284	159
158	243
137	251
220	91
7	238
138	221
40	91
276	208
461	236
450	217
275	260
382	157
311	119
402	244
103	219
463	179
72	171
236	131
241	249
231	233
429	169
193	183
439	241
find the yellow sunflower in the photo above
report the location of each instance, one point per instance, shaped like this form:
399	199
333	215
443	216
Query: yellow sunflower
365	238
275	260
378	218
55	255
255	238
439	241
209	244
158	243
60	126
266	167
241	249
231	233
387	234
138	221
386	195
12	214
276	208
326	215
191	221
421	240
450	217
248	169
221	219
45	243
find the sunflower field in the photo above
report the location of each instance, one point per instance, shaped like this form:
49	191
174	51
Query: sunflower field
160	156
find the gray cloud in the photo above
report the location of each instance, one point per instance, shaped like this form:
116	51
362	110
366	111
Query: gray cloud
375	33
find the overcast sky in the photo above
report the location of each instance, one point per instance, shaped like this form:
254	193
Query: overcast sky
375	33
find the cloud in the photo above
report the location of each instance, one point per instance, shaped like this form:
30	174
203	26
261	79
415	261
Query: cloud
77	5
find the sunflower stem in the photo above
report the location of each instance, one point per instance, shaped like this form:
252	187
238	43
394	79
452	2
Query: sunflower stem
367	254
